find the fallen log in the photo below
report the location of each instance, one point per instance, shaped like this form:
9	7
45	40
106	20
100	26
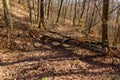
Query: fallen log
73	42
93	46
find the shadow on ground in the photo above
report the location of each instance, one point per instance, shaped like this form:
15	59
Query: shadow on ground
65	53
25	41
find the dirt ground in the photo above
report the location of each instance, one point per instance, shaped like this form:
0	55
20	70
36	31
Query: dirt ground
42	59
32	57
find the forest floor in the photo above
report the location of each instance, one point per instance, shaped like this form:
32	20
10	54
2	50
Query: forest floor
34	56
41	55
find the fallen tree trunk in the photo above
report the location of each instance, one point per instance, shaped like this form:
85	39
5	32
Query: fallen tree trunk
73	42
93	46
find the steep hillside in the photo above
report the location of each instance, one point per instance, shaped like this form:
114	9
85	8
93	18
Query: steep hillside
58	53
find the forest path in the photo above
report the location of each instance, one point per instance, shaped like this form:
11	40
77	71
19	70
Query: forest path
47	59
51	60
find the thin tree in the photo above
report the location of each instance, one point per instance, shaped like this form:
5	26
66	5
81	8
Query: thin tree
38	12
30	10
41	23
7	14
83	9
86	17
91	20
66	9
48	11
74	17
117	35
8	20
59	11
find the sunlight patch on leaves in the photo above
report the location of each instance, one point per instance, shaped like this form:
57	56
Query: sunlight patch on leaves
45	78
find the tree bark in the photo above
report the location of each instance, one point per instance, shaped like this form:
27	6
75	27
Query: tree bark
30	10
48	11
41	23
117	35
38	12
91	20
59	11
66	10
105	40
86	17
7	13
74	17
8	21
83	9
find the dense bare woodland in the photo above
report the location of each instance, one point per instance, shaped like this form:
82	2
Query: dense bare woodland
59	40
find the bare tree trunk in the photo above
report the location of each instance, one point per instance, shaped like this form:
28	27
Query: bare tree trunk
87	13
48	11
8	21
30	10
104	23
34	10
74	17
41	23
7	13
83	9
117	35
91	20
66	10
59	11
38	11
71	10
